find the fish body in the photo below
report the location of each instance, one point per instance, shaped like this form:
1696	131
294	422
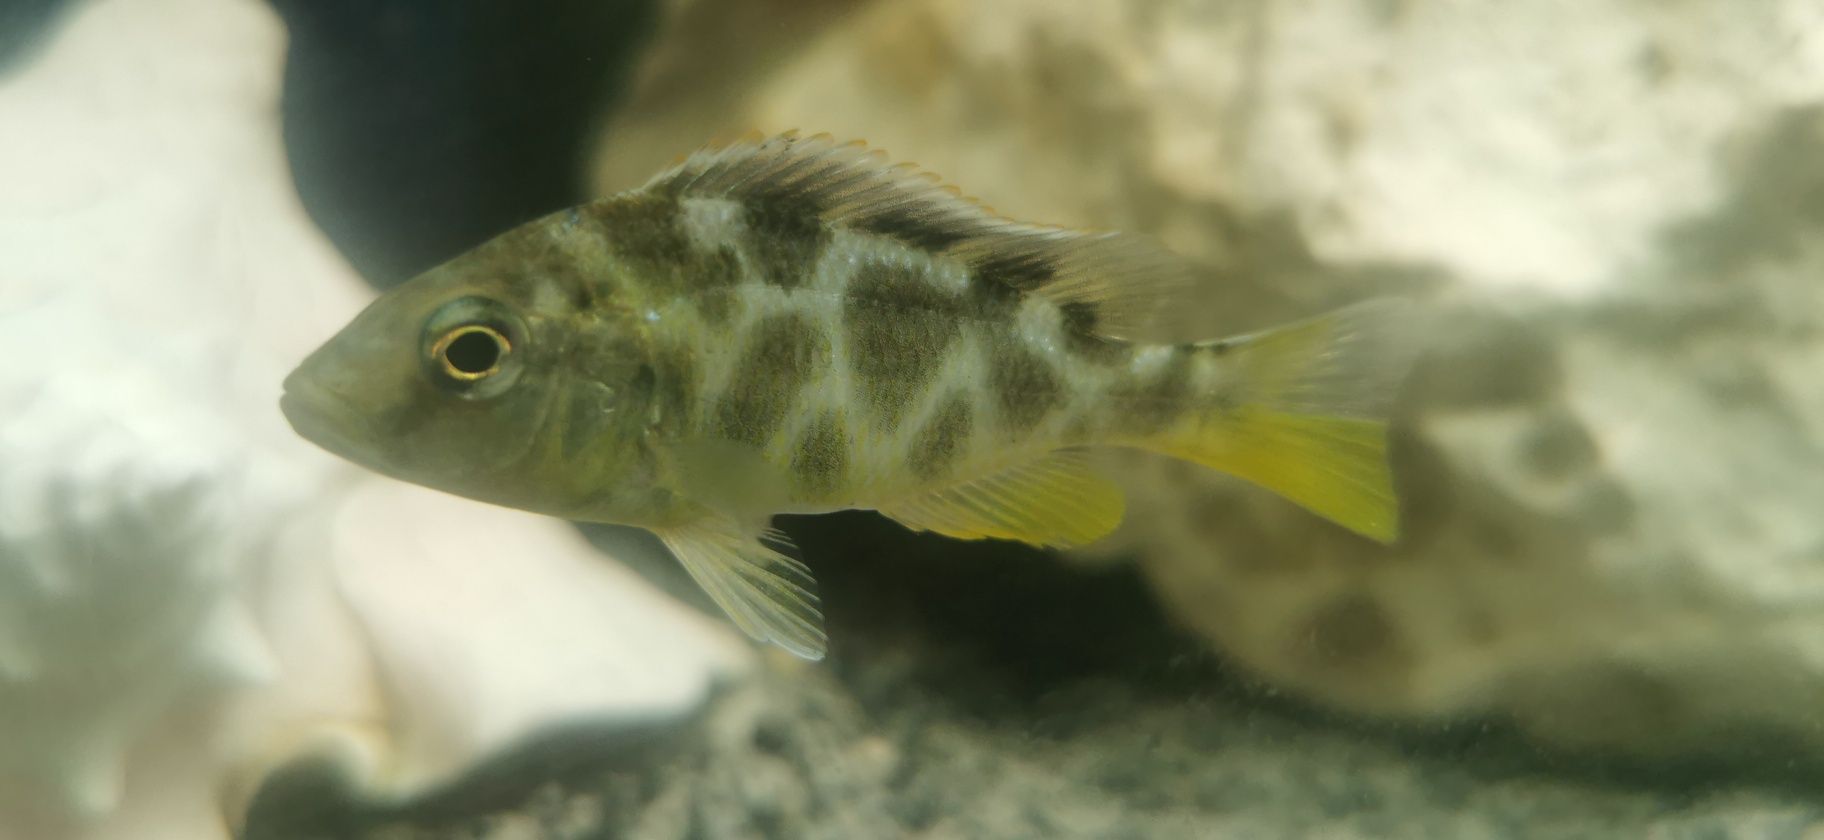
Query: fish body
790	325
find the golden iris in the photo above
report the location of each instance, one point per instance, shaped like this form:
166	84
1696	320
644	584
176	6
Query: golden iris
472	352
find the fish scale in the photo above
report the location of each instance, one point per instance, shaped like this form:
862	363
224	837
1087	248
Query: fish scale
914	288
788	324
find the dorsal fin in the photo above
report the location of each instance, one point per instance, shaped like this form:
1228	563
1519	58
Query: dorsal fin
1125	282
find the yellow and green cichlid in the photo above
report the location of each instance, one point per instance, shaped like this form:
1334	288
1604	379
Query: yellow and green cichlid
791	325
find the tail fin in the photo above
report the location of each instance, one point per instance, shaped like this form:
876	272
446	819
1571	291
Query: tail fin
1303	412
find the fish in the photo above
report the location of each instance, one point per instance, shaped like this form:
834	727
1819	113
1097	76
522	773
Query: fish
786	324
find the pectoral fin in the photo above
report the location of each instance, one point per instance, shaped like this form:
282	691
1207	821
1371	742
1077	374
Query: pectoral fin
769	595
1055	501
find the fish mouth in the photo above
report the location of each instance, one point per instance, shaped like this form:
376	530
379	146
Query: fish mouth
324	418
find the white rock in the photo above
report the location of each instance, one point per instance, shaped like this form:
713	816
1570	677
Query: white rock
1610	459
190	595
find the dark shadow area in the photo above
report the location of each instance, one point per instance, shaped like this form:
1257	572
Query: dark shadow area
312	801
988	606
1012	636
25	27
418	129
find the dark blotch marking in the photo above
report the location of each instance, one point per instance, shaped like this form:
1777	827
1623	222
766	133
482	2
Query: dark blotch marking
935	449
645	234
642	230
1079	317
786	235
1081	337
1152	403
1026	385
899	328
562	255
821	457
722	275
583	294
645	380
908	223
992	298
998	282
781	357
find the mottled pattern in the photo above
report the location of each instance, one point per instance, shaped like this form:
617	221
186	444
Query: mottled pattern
1025	386
536	261
899	328
992	294
643	233
1082	337
1152	402
784	352
865	353
646	238
786	238
820	458
937	446
717	274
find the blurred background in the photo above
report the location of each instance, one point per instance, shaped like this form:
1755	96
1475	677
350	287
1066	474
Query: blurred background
1605	616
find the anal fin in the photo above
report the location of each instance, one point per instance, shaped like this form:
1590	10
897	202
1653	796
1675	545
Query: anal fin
1056	501
770	596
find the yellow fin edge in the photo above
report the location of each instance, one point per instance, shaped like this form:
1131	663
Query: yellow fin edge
1335	467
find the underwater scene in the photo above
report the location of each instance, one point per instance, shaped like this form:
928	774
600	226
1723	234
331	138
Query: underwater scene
855	419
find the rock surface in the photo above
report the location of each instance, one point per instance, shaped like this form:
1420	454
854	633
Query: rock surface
914	738
190	595
1610	456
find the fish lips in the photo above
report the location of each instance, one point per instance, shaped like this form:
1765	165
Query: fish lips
326	419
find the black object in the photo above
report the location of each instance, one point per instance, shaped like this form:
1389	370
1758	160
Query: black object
25	25
419	128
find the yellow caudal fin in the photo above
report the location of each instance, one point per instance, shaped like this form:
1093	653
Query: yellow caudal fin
1302	411
1334	466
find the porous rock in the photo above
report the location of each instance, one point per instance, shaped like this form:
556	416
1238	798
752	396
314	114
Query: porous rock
1609	453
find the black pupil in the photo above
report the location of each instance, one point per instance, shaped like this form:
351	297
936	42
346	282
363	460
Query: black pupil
473	352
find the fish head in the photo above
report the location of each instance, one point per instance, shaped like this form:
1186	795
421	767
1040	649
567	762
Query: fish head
449	379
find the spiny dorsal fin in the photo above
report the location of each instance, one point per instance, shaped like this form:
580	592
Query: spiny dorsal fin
1056	501
1126	282
769	595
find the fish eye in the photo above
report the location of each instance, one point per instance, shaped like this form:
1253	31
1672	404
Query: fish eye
474	348
472	352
